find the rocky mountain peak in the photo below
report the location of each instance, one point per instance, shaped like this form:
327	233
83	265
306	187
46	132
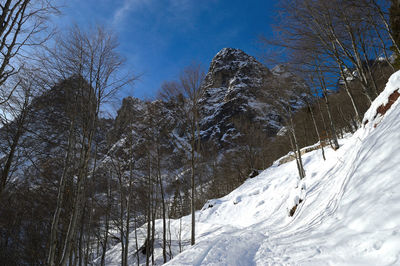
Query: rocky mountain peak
234	87
232	69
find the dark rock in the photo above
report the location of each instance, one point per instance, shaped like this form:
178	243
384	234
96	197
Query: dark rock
254	173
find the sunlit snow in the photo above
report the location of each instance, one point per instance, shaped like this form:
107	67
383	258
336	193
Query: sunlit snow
349	214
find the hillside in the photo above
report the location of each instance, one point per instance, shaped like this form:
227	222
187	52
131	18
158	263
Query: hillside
235	86
348	212
147	142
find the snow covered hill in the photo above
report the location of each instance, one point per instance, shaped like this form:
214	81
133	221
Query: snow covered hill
349	212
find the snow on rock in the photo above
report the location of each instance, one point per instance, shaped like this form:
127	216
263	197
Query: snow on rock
281	71
385	99
349	214
238	86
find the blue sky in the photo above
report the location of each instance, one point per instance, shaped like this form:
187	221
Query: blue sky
159	38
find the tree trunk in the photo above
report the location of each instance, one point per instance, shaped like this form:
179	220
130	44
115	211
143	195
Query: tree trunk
169	233
153	225
164	244
192	166
88	238
128	210
6	170
107	225
335	143
77	211
80	244
349	93
60	199
136	242
316	130
149	187
295	156
298	152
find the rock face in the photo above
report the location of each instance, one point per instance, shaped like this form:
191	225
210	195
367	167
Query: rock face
42	143
132	110
238	86
233	69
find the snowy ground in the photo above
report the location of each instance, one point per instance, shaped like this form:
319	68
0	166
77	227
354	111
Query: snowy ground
350	213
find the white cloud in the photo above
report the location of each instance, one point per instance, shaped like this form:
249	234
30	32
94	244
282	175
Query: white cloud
126	7
182	13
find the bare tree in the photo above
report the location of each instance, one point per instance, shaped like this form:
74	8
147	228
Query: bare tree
385	22
15	116
23	26
310	108
104	238
188	93
323	86
157	132
348	34
281	101
92	60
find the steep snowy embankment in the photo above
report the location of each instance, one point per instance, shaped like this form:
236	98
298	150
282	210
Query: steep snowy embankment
350	213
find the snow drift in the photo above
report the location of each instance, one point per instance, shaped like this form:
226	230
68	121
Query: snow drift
348	207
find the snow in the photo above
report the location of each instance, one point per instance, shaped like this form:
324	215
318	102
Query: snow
281	71
238	59
349	213
392	85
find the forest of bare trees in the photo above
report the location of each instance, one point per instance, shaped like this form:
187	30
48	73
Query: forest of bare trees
90	182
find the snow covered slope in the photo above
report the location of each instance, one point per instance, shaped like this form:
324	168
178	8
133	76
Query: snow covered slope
349	213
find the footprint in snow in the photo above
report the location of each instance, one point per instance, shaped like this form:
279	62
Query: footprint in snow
254	193
378	245
260	203
237	200
313	175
